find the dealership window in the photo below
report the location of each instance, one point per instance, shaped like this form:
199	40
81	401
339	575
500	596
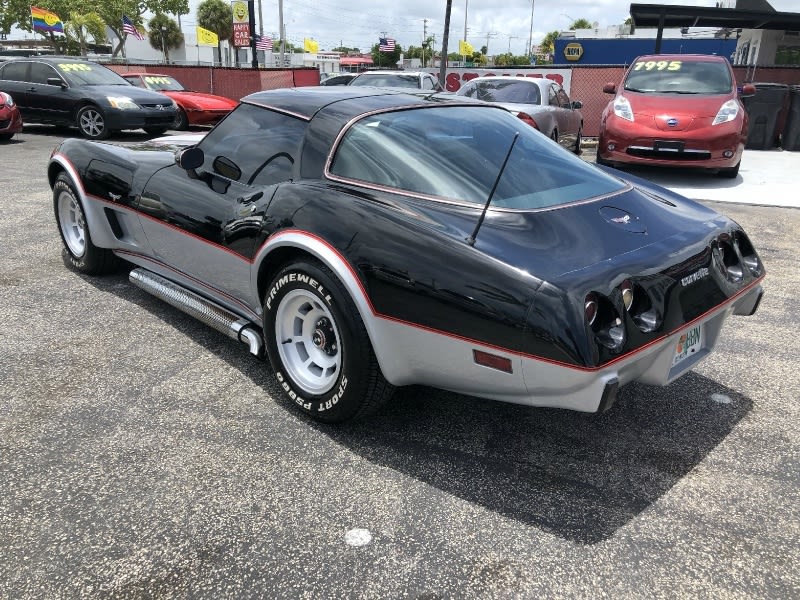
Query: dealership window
787	55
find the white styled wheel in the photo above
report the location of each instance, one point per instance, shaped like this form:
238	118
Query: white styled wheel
308	341
71	218
318	345
72	223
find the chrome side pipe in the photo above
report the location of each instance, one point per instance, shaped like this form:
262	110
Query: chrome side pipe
200	308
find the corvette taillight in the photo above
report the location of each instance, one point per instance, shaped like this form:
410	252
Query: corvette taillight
604	321
728	262
749	256
528	119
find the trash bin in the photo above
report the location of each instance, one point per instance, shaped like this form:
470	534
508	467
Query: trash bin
791	133
764	107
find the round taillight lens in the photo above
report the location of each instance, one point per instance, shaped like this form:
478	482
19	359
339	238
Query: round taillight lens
590	310
627	294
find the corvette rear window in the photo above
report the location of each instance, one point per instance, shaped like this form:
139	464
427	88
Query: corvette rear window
456	153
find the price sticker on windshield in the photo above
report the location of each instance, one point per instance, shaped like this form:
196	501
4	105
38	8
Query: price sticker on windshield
67	67
658	65
152	79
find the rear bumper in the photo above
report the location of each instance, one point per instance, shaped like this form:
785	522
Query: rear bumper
205	117
589	390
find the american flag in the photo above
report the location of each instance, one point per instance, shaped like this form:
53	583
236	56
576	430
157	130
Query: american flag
129	28
386	45
264	42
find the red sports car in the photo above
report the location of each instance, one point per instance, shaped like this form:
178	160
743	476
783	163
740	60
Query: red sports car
194	108
676	110
10	118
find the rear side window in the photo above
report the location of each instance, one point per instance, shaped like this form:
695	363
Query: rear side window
456	153
679	77
521	92
15	71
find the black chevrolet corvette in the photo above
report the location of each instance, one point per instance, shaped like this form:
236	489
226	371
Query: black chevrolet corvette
365	239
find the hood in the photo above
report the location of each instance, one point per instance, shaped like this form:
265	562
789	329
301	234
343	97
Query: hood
679	105
137	94
201	100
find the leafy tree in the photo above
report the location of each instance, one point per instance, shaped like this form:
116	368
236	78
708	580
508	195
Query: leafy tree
79	26
484	50
215	15
345	50
549	42
581	24
164	34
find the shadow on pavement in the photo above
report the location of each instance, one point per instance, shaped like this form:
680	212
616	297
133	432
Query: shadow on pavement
577	476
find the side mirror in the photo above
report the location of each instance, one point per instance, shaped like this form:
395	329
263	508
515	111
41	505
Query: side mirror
576	104
748	89
610	88
189	158
57	81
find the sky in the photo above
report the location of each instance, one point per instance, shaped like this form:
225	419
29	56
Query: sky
506	27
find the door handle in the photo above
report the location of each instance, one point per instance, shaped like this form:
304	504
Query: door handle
250	199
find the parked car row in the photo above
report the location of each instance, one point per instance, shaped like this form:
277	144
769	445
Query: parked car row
670	110
75	92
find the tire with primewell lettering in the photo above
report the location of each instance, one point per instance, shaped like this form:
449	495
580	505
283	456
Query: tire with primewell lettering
319	347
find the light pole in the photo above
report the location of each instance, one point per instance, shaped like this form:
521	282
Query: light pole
530	35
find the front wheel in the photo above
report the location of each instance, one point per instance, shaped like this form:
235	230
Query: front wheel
319	347
4	137
79	250
731	172
92	123
181	121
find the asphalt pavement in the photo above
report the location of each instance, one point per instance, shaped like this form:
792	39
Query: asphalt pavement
144	455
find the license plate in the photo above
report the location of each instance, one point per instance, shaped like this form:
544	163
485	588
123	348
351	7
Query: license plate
688	344
668	146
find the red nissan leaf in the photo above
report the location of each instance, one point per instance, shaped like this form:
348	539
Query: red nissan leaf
675	110
10	118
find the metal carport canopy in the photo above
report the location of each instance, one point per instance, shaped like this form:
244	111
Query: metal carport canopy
661	16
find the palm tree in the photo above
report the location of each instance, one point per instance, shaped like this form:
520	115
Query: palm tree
164	34
215	15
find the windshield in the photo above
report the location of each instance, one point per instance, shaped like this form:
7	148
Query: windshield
518	92
456	152
387	80
89	74
679	77
161	82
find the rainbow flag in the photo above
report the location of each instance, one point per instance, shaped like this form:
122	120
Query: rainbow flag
44	20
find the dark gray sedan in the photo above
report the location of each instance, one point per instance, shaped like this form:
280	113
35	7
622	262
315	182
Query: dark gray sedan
539	102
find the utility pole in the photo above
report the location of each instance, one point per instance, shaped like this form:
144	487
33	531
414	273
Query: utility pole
443	66
424	38
283	31
466	10
530	35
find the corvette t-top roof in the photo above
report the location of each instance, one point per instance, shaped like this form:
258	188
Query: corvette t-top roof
305	102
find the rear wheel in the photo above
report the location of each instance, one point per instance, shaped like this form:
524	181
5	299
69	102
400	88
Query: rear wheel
79	250
578	141
319	347
4	137
731	172
92	123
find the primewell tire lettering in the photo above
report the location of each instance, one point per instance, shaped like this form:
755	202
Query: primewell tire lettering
294	277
